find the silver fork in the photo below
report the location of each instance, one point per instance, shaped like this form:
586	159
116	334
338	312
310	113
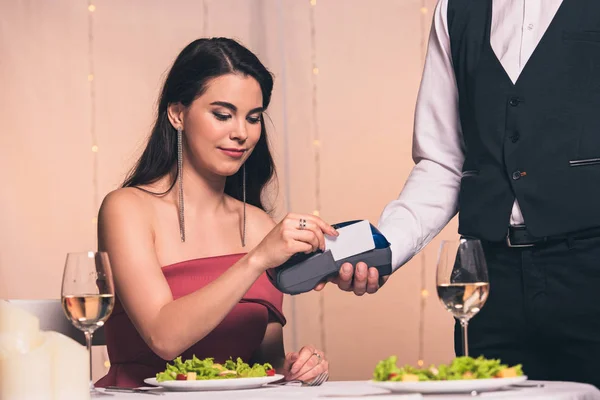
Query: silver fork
528	385
475	393
132	390
319	380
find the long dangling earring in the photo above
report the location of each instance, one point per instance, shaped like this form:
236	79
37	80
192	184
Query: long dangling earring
244	198
180	181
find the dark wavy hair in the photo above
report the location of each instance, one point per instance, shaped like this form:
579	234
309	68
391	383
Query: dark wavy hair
198	63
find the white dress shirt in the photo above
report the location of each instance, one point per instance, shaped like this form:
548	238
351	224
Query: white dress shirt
429	199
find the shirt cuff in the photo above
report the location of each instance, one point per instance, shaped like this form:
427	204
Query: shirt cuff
401	242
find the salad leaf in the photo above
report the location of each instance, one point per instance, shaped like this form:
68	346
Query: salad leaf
208	369
385	368
459	368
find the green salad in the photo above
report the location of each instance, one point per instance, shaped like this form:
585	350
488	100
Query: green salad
197	369
459	368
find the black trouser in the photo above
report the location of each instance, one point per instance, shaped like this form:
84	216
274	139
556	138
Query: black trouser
543	310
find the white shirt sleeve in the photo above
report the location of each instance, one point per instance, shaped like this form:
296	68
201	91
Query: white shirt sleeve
429	199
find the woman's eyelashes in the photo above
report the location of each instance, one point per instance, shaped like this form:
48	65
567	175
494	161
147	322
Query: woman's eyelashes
221	116
253	119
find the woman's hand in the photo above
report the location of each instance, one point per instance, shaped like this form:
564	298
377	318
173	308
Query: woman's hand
305	365
296	233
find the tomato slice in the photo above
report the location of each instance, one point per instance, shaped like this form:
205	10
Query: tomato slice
390	376
270	372
181	377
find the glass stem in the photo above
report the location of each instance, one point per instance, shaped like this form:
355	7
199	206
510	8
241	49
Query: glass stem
465	340
88	342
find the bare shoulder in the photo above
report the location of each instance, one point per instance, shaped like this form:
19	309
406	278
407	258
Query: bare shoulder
125	212
123	201
264	222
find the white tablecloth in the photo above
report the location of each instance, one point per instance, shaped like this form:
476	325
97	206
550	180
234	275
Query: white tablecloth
352	390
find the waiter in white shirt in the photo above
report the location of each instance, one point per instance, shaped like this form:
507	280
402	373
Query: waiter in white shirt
507	134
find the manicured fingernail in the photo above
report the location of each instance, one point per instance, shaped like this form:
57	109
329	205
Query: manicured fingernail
347	269
372	272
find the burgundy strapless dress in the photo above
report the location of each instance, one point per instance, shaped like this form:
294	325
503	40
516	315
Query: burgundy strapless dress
238	335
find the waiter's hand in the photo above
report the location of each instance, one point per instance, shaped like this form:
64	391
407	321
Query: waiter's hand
366	280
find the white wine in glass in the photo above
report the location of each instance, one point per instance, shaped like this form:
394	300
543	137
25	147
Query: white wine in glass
88	312
88	295
462	281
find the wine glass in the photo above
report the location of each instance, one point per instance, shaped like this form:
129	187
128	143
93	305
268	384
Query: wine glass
88	295
462	281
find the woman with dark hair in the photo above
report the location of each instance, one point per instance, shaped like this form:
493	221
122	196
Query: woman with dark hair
188	235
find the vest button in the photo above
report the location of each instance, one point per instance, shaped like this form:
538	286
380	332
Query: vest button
515	137
514	101
516	175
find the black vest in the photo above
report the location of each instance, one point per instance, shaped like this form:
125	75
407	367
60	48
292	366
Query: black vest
537	140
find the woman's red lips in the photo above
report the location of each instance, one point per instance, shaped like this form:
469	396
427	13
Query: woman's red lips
233	152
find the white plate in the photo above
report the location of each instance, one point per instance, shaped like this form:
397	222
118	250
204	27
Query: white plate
461	386
214	384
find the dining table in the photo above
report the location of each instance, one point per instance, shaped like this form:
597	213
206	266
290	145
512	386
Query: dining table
364	390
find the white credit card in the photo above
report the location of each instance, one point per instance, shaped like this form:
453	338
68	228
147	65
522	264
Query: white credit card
352	240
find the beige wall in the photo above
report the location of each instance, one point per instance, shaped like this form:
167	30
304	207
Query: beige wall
369	59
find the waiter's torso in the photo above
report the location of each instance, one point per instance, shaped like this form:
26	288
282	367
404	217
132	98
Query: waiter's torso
532	132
